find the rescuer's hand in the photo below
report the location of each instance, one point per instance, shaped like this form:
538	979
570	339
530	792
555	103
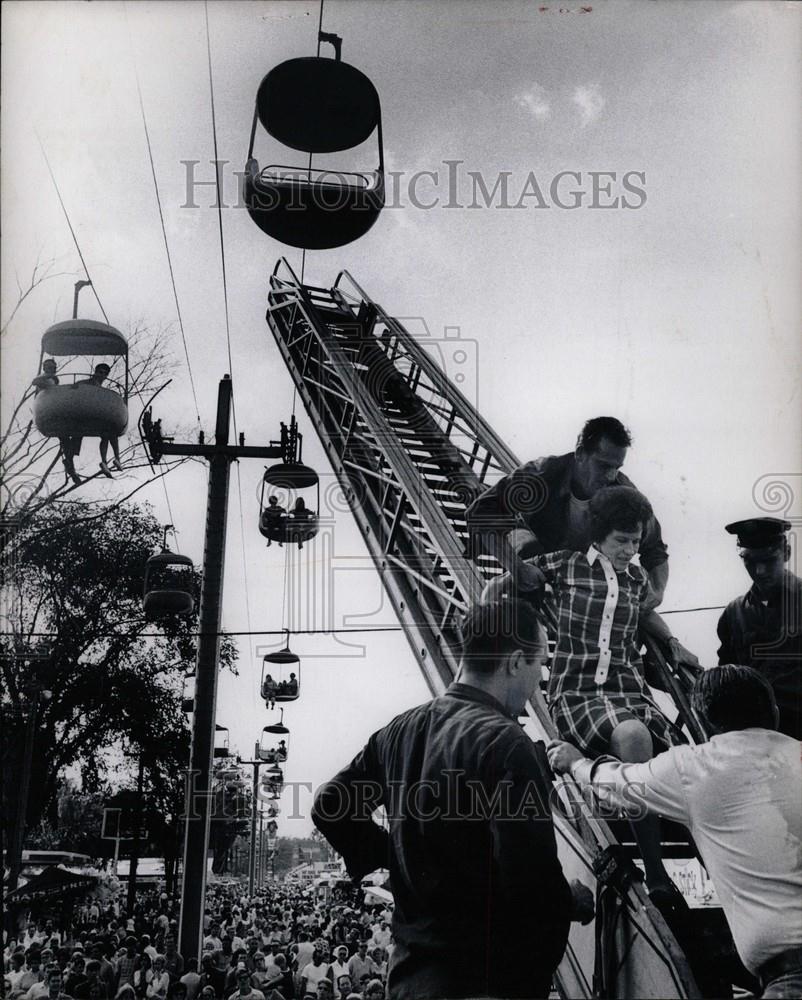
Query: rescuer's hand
584	906
562	755
528	577
680	655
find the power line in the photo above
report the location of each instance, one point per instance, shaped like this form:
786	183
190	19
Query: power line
283	631
72	231
163	228
219	208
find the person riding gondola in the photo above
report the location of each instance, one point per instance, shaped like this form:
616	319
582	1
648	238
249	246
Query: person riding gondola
70	446
269	691
274	516
300	517
98	377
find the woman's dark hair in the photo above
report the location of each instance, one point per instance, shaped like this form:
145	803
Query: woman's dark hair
617	508
734	697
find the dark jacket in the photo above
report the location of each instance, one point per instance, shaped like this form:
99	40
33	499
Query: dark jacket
537	495
768	637
481	904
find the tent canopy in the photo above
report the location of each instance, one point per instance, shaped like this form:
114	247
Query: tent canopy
50	884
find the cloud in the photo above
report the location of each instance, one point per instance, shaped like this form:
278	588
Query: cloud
590	102
535	102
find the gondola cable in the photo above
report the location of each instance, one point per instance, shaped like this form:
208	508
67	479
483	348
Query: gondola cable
225	301
161	220
309	171
219	207
72	231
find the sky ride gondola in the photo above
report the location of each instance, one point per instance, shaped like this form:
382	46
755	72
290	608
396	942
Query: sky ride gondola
81	408
221	749
169	583
281	676
274	751
315	105
287	490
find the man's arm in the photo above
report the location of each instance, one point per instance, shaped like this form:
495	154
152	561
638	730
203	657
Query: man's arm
525	846
343	809
726	651
654	786
658	581
654	559
493	515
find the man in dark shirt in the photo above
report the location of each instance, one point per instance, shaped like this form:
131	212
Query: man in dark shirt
543	506
471	847
763	629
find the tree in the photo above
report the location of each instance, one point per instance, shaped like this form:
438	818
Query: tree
116	679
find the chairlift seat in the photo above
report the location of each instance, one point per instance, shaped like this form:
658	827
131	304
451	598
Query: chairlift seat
317	105
317	211
80	411
165	592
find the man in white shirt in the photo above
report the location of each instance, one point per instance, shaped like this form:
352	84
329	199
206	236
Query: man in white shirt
739	795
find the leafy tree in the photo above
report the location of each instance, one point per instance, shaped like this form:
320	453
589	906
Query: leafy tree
116	679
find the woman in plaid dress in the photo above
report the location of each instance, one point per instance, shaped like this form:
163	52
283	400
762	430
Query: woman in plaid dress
597	694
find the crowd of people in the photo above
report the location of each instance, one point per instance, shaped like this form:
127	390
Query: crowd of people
280	944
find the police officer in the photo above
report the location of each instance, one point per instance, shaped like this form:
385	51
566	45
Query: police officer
763	629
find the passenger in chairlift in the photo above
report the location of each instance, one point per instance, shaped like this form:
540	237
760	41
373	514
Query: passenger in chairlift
301	513
597	692
273	515
98	377
70	446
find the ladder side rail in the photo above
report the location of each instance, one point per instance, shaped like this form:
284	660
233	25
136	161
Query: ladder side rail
434	656
438	526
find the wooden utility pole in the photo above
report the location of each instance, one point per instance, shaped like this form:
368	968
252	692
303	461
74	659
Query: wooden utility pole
199	795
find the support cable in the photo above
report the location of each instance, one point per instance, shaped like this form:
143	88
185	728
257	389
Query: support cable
72	231
219	208
163	228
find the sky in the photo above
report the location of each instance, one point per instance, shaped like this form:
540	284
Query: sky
667	295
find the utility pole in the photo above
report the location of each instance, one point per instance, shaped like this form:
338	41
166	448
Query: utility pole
35	696
137	832
220	455
255	764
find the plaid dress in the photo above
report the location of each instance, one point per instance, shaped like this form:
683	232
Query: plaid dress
596	679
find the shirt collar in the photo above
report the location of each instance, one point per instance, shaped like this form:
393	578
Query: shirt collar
467	692
593	554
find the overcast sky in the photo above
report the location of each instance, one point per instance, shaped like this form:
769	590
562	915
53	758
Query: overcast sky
679	314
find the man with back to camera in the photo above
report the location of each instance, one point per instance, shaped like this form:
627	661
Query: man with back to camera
550	497
473	861
739	795
763	629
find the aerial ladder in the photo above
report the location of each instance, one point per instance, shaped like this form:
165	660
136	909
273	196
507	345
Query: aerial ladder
411	453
